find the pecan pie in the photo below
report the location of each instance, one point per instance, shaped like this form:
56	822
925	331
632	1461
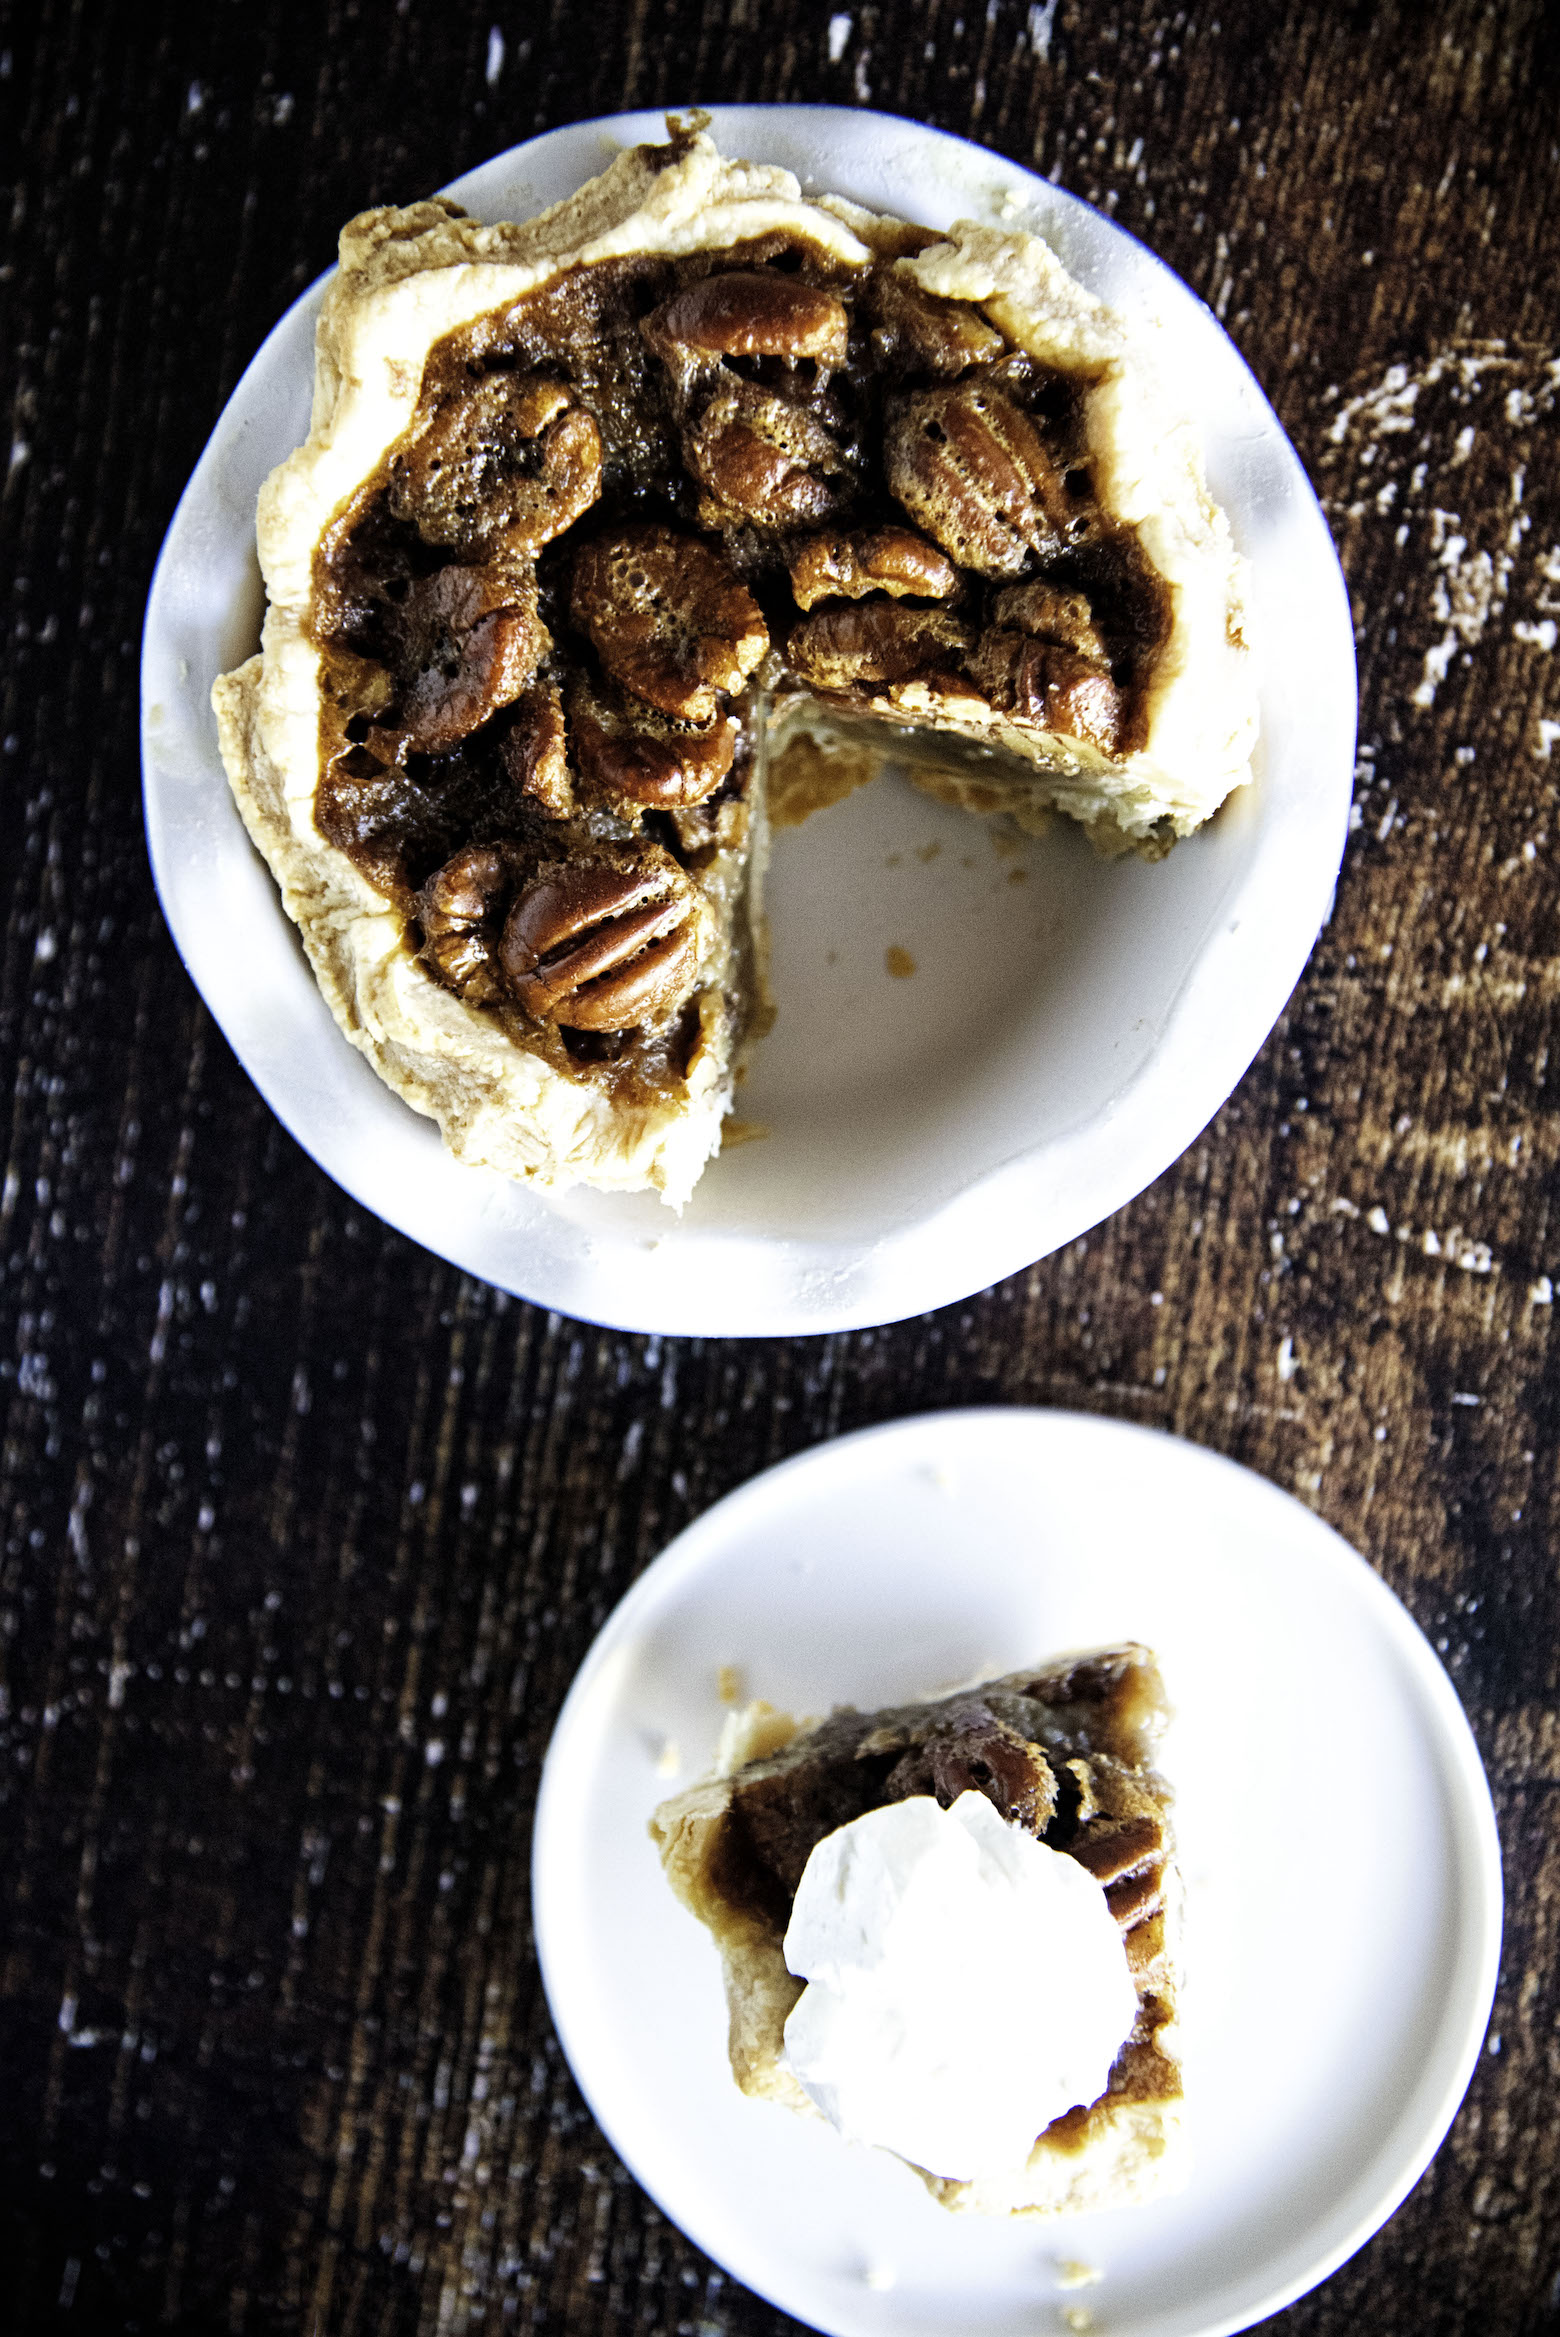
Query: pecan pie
600	515
1064	1750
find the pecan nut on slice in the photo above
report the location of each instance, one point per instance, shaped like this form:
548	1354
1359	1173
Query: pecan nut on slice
458	909
465	642
971	1749
972	468
508	463
894	560
1119	1847
630	754
603	944
875	644
667	618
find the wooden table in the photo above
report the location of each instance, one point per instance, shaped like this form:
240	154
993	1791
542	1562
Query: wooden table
284	1498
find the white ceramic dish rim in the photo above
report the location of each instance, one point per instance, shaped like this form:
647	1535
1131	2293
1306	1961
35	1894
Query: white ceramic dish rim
1470	1818
603	1268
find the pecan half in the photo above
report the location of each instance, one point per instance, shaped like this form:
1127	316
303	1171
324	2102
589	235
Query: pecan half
874	643
1046	614
668	619
1052	687
765	460
510	462
973	469
889	559
534	750
970	1750
600	945
1120	1847
467	641
457	909
916	332
627	750
749	314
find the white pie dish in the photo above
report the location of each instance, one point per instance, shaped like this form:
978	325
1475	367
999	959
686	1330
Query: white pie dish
1063	1038
901	1561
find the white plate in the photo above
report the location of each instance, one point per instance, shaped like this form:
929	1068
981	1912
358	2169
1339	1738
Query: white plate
1063	1039
1337	1842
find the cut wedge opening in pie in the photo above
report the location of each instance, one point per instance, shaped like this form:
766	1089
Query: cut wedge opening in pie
612	526
1065	1752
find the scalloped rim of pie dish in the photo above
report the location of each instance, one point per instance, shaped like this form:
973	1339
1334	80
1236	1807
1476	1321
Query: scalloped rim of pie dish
409	277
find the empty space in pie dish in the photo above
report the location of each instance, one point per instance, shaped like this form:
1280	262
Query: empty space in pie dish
1061	1038
1041	978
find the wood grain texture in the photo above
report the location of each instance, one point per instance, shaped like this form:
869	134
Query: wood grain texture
304	1532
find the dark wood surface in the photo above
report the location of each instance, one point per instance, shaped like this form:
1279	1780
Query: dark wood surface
282	1497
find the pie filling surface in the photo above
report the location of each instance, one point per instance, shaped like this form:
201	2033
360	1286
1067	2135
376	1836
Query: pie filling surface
632	511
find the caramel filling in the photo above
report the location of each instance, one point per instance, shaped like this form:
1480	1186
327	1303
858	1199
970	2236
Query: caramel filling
628	504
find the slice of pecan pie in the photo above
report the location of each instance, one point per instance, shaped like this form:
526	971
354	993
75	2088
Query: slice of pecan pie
1064	1750
597	515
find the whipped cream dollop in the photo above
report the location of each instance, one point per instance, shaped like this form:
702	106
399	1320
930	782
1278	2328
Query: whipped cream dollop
965	1985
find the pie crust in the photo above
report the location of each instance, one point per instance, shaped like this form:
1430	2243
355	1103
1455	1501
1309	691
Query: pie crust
1103	1713
507	1094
